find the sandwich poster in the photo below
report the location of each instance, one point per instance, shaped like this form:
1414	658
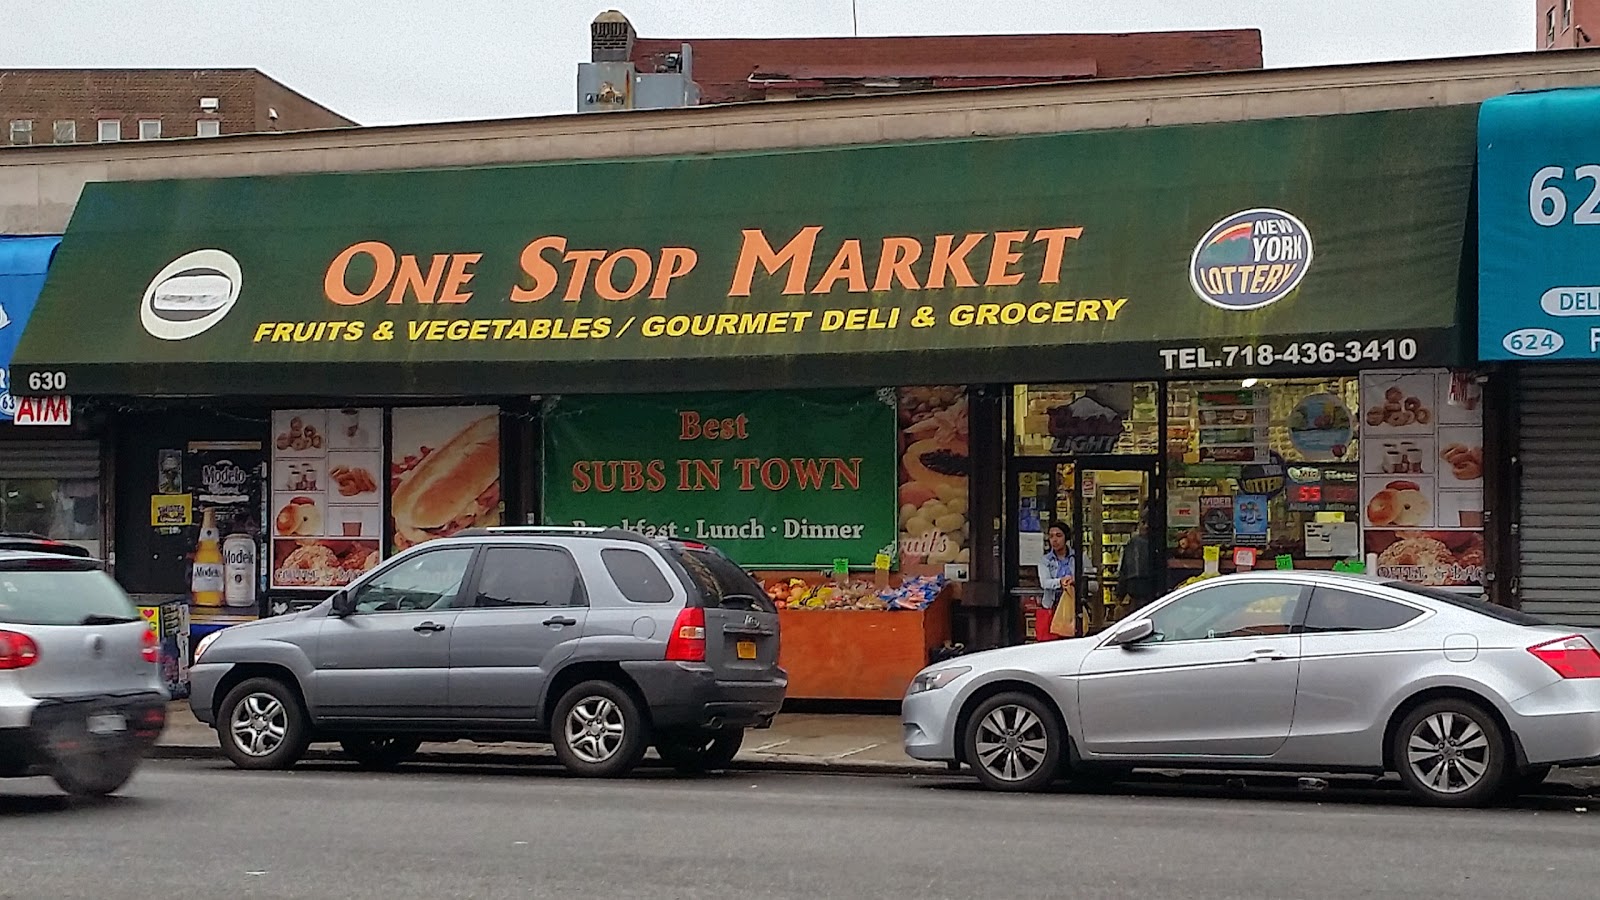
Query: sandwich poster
327	496
444	472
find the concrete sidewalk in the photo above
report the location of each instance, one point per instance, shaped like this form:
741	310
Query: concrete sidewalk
795	742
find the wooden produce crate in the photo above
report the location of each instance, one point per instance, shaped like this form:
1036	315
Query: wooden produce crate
860	654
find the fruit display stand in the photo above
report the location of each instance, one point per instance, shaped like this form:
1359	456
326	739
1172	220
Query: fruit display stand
859	654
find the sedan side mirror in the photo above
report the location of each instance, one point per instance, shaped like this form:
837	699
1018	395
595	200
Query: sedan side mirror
344	603
1132	634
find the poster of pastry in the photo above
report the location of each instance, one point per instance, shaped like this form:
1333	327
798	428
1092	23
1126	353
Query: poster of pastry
444	472
1437	558
934	465
327	496
1422	477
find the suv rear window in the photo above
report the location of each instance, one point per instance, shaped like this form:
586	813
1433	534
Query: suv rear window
637	575
36	595
722	583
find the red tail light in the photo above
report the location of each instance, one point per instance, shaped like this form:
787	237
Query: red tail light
1571	657
687	643
17	651
150	650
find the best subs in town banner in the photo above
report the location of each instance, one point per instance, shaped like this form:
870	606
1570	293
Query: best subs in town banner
773	479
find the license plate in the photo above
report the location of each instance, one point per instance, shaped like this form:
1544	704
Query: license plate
747	649
106	723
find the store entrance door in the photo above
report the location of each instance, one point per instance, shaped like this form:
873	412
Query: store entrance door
1116	562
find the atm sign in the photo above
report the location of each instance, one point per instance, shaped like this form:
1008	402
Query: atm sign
52	410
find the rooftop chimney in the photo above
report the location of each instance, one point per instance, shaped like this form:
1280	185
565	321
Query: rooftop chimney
611	37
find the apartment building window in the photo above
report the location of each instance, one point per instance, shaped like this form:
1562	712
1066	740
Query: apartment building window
207	127
149	129
110	130
21	131
66	131
1566	14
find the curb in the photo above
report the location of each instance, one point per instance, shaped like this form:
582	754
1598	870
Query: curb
789	765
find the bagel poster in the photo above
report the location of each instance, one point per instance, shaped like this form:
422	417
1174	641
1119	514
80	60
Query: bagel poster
444	472
1422	477
774	479
327	496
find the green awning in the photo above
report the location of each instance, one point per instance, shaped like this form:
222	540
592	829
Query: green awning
1285	246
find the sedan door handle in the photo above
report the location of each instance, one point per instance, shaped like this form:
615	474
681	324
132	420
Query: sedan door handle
1267	654
561	620
427	627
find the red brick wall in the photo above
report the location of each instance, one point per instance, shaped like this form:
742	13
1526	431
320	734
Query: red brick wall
722	68
1585	21
172	96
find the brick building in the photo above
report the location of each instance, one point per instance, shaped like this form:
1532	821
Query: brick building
1566	24
64	106
628	71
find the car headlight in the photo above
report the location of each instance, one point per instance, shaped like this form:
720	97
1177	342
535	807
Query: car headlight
936	678
205	642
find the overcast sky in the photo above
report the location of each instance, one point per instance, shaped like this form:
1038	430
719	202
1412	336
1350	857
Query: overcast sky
389	61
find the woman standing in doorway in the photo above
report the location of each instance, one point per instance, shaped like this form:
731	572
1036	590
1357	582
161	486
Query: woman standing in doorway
1057	570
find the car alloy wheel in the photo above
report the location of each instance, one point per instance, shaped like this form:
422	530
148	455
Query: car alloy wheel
595	729
1012	743
259	724
1448	752
1452	752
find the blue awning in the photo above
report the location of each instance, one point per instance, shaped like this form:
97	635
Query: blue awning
23	263
1539	226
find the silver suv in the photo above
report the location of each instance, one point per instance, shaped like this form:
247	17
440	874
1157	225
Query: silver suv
600	642
81	696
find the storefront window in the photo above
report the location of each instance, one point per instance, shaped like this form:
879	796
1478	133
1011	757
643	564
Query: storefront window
1251	464
62	509
1086	419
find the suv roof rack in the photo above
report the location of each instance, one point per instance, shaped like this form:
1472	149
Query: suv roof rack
528	529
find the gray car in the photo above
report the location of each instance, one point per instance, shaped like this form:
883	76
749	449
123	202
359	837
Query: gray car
600	642
1293	671
81	695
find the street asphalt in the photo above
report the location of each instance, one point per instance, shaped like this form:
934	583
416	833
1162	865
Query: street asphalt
325	830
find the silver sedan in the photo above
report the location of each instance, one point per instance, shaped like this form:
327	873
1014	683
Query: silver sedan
1293	671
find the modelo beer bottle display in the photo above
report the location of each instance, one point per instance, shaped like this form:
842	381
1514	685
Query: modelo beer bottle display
239	570
206	583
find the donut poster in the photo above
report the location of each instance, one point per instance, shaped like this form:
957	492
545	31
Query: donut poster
327	496
1422	478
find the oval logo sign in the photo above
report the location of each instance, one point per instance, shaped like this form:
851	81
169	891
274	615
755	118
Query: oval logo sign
1250	259
1571	301
193	293
1532	342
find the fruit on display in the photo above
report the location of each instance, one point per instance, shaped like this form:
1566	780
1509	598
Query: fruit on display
784	593
855	594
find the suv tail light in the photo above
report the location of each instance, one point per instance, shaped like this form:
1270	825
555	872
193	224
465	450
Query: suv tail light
687	643
1571	657
17	651
150	648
